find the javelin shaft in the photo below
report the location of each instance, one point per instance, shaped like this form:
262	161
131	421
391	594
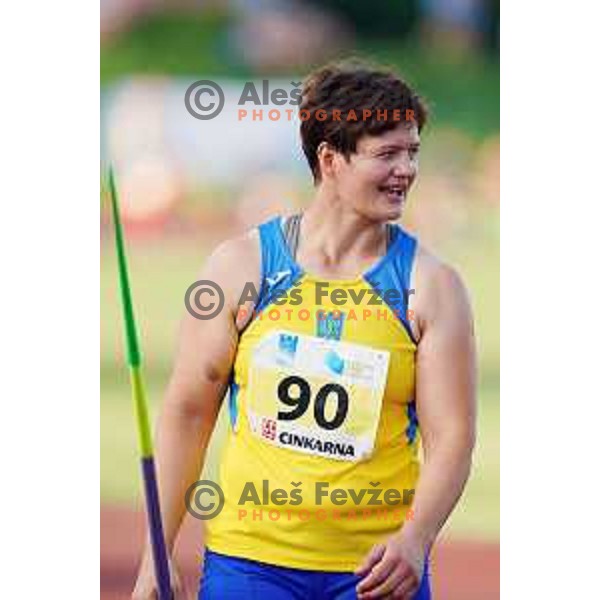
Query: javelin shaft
157	539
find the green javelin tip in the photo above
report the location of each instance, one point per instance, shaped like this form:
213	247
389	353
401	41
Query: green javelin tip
133	349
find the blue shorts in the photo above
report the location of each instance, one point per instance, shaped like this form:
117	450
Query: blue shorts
239	578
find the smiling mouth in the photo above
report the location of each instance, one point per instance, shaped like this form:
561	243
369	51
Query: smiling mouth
393	192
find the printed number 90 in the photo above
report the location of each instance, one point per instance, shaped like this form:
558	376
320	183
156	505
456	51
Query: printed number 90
301	401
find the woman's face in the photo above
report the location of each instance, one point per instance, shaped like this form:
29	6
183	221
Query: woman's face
376	179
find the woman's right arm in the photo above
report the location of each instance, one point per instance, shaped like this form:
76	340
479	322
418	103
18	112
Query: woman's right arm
203	362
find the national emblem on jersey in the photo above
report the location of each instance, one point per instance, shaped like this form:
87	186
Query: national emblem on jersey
330	324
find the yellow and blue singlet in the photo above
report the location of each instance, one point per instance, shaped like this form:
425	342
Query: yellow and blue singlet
321	400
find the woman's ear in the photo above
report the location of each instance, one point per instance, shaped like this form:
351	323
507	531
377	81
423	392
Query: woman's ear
326	155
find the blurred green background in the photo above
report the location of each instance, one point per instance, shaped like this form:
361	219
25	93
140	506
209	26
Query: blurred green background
186	185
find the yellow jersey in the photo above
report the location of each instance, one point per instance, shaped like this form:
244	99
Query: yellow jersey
321	457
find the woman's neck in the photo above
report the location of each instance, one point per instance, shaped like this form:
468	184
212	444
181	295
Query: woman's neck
336	235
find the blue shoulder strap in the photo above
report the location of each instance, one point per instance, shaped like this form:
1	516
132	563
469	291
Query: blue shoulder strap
391	276
279	271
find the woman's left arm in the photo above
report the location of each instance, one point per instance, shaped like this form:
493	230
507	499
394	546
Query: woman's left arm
445	399
446	408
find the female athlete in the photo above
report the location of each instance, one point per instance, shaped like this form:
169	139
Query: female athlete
347	350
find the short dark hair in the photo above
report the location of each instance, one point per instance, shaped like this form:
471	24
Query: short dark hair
352	86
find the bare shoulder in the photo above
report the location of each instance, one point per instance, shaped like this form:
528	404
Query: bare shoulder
242	251
439	291
433	274
234	263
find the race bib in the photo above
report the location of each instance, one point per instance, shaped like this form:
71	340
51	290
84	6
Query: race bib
317	396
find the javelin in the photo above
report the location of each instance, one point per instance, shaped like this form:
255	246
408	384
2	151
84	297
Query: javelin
159	551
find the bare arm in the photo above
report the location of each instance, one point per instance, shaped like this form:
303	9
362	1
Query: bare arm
203	362
445	398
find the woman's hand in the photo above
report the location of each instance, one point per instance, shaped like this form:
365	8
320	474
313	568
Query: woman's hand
145	586
392	569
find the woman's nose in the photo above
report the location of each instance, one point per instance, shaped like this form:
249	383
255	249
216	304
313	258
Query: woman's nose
404	167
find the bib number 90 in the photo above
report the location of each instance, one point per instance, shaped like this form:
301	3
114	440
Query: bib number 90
301	401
